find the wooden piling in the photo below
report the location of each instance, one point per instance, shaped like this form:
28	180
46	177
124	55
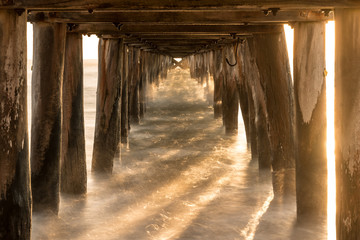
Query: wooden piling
273	63
108	105
347	119
217	67
252	125
310	105
134	102
243	92
260	143
230	99
142	86
15	191
73	159
125	97
47	78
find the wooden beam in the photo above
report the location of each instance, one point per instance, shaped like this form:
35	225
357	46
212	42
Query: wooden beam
164	30
177	18
170	4
183	42
153	38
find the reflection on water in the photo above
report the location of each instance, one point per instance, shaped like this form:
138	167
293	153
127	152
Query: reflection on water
180	178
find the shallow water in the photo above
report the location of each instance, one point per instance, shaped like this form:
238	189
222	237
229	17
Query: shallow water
180	177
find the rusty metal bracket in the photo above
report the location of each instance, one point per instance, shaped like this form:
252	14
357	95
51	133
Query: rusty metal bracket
236	48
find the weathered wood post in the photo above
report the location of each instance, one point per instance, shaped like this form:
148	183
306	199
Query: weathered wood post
73	159
243	92
47	78
134	87
260	142
142	85
310	105
248	73
108	105
252	124
347	120
230	102
273	64
15	193
125	97
217	68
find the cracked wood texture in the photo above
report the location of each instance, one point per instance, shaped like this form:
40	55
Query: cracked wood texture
108	105
15	191
273	64
347	123
310	105
260	142
230	98
73	159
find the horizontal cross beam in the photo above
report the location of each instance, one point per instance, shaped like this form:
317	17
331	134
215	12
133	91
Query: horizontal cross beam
186	18
171	4
167	30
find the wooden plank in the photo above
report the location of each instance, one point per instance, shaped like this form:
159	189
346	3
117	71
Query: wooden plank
170	4
178	18
310	105
15	191
347	121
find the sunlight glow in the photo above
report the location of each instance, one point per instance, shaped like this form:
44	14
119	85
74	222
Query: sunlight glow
29	36
90	47
249	231
289	36
330	60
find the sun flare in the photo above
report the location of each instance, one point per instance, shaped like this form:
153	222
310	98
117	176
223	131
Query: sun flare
330	60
